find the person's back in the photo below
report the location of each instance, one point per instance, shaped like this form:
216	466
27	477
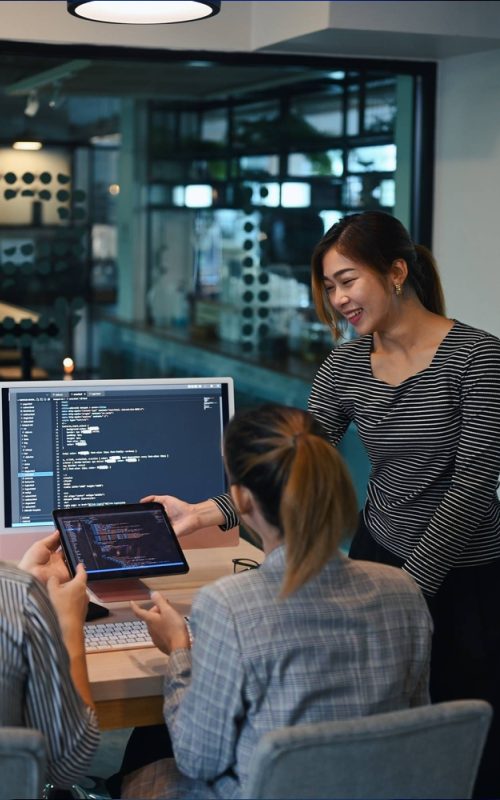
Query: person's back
354	640
308	636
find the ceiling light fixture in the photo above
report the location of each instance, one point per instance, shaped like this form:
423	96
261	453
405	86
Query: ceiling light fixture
145	12
27	144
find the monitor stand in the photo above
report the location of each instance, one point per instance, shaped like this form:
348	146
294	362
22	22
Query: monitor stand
119	590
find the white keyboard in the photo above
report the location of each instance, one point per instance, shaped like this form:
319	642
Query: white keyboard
116	636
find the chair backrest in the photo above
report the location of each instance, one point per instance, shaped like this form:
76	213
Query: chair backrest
426	752
22	763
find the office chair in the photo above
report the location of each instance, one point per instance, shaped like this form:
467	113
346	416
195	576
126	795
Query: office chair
426	752
22	763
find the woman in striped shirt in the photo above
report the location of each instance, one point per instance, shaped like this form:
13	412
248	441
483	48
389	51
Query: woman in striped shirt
43	671
424	393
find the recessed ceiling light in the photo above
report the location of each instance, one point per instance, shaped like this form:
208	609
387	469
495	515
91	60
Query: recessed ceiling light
146	12
25	144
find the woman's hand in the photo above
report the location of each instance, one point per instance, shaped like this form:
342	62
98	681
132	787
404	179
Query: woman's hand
44	559
166	626
70	602
187	517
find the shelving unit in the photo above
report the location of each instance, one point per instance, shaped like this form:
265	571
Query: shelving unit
270	168
321	133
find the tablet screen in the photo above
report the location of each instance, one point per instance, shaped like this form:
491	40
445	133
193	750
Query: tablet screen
122	541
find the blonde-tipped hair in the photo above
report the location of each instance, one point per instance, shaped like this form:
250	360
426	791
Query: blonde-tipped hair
300	482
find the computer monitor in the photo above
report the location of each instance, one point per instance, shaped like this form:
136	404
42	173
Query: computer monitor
96	442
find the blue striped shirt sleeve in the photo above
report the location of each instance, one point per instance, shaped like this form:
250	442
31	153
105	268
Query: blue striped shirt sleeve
52	704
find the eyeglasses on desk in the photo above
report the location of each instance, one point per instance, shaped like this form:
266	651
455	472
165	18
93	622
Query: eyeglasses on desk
243	564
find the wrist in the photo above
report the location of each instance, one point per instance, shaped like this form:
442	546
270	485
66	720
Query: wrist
208	513
182	641
75	646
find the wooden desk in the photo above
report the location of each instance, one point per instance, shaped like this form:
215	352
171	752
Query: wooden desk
127	685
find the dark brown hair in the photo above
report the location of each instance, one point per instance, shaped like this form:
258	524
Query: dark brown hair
299	480
375	239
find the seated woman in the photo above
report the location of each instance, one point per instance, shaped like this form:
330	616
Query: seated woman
308	636
43	672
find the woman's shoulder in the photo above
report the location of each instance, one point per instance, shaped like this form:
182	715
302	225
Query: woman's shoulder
20	593
13	576
473	343
359	345
384	578
230	589
347	354
469	335
246	589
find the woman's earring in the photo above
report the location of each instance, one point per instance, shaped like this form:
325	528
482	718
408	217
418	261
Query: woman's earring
398	289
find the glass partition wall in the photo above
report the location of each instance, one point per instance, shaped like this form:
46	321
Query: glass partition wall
166	223
246	185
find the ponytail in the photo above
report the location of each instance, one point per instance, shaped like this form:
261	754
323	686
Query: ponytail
425	280
298	479
318	509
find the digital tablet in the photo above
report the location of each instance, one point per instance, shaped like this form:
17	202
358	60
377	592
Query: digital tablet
120	541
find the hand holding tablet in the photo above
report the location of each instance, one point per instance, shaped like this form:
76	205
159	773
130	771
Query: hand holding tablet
120	541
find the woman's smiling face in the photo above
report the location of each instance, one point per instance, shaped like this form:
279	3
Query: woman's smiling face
358	293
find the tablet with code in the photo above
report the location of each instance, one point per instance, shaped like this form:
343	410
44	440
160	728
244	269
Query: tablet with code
122	541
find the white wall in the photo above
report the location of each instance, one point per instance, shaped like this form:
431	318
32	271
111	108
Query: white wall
467	188
275	21
251	24
437	17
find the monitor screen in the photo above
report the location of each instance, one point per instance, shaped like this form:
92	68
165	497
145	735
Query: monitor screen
97	442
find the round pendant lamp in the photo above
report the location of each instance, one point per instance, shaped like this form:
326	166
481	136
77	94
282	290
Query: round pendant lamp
144	12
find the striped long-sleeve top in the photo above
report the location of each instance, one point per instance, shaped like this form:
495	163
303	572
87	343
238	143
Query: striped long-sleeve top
434	447
36	690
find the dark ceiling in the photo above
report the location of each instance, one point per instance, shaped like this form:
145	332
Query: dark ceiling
142	79
72	99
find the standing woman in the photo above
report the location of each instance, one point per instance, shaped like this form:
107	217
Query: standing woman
424	392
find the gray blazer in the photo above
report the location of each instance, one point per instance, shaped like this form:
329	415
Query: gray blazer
355	640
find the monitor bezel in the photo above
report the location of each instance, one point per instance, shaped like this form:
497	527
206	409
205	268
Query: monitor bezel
36	531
